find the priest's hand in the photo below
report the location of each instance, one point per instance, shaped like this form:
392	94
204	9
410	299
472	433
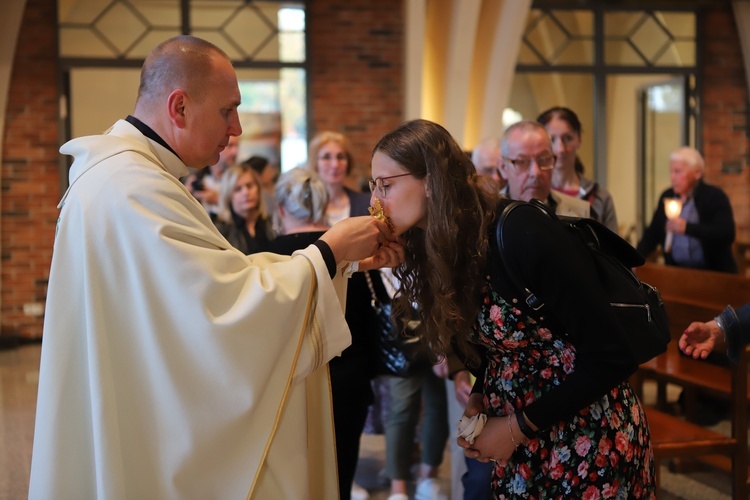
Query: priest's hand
357	238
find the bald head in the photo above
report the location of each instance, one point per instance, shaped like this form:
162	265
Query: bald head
189	96
518	129
183	62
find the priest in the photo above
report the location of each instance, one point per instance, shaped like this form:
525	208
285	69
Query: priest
174	366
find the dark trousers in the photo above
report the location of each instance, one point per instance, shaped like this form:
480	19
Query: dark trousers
477	480
349	416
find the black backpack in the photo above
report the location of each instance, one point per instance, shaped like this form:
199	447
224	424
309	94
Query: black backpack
638	305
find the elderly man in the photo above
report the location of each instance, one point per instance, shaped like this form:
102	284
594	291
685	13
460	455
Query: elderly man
174	366
486	158
527	168
704	231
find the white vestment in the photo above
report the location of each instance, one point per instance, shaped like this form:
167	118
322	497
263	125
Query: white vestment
173	366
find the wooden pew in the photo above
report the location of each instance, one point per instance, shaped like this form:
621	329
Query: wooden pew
692	295
706	287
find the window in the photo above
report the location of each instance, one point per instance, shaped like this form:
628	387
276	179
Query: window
264	39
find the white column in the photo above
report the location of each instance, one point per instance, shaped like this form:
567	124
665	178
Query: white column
504	55
415	12
461	42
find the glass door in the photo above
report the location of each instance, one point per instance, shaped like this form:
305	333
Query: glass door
664	126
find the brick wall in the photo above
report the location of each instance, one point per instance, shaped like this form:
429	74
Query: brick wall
30	180
725	114
357	58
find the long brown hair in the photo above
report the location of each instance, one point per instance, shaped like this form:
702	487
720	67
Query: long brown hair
445	263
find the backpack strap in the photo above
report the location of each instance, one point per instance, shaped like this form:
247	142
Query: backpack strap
529	297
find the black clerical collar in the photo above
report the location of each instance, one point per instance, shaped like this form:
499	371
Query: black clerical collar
149	132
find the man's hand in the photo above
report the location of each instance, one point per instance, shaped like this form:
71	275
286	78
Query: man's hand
699	339
357	238
676	226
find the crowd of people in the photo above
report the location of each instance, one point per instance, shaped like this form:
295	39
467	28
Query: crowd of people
220	344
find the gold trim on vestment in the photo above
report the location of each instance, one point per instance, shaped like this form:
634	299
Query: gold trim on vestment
309	318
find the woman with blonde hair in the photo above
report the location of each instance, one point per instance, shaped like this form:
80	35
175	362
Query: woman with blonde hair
329	155
241	217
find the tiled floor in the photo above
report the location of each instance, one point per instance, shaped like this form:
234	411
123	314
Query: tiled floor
18	387
19	373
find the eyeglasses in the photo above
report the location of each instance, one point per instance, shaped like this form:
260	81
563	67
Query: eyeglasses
381	186
544	162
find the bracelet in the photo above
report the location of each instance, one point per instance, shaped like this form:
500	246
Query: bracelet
721	327
510	431
525	428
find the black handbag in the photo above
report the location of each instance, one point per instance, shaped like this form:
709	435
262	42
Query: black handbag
397	353
638	306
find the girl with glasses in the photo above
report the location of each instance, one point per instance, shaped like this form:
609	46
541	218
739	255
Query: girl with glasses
563	420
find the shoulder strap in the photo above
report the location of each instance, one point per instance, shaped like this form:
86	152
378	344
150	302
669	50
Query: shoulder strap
529	297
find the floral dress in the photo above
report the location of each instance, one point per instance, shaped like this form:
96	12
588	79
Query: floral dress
603	451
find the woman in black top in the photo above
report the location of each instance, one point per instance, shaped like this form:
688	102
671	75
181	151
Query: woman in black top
563	422
242	217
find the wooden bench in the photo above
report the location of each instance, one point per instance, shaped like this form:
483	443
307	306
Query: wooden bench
689	296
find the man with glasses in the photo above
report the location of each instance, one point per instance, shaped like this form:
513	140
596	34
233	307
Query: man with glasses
526	166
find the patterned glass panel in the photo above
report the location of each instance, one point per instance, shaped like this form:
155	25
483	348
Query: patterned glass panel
248	30
558	37
576	22
621	24
115	28
678	54
577	52
82	42
620	52
680	24
527	56
649	38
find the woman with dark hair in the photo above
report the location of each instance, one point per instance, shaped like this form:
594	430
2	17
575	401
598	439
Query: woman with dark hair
563	421
564	128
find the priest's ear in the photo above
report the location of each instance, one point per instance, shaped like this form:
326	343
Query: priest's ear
176	105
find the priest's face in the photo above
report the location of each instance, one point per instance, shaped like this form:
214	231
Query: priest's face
211	117
402	196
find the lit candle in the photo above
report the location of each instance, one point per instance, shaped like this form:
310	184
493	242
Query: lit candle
673	209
